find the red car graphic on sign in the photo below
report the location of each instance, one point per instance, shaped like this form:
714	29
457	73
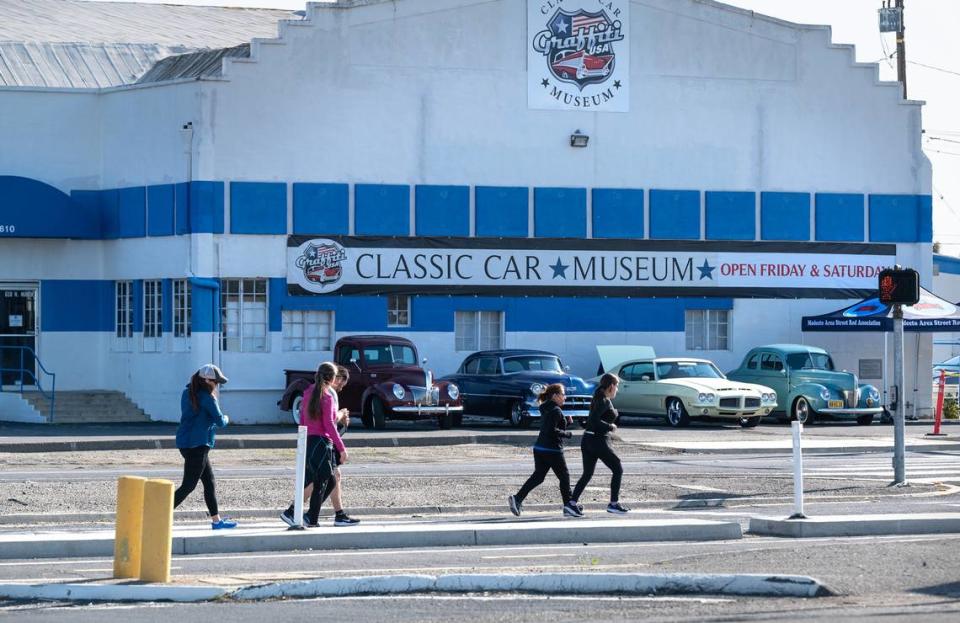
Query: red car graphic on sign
579	65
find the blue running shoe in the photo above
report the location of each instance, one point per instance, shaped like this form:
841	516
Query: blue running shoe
225	523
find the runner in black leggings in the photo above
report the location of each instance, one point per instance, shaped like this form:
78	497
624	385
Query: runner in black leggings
548	452
596	446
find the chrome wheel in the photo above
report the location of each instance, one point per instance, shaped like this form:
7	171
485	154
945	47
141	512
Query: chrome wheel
801	410
295	409
516	415
676	414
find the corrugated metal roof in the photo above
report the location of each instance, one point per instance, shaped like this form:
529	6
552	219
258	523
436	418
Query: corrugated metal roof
74	44
205	64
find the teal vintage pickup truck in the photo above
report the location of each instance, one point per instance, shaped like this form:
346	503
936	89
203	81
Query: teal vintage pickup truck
808	385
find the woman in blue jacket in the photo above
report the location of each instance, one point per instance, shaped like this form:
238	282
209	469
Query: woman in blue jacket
200	416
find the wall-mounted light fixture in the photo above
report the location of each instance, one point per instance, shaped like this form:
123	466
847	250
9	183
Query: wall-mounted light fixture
579	139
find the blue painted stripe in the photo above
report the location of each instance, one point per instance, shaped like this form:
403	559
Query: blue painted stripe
161	210
443	210
617	213
947	264
381	210
276	293
839	217
37	210
901	218
206	207
784	216
138	305
560	212
533	314
731	215
132	212
181	206
61	310
258	208
205	305
675	214
501	211
321	209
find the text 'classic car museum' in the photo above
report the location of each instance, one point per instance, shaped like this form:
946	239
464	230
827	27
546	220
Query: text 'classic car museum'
248	187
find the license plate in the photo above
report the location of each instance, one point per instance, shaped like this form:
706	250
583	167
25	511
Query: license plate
836	404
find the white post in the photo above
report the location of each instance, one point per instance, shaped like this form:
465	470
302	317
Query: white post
797	472
899	432
301	474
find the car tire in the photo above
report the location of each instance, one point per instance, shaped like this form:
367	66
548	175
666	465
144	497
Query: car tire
516	414
749	422
677	416
444	422
802	412
295	409
379	413
865	420
366	417
456	420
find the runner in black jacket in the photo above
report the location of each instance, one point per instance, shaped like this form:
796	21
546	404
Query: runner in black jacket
596	446
548	452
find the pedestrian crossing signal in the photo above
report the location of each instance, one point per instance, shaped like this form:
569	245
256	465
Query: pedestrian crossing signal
899	286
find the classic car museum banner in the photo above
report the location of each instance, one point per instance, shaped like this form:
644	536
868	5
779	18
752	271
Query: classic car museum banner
551	267
578	55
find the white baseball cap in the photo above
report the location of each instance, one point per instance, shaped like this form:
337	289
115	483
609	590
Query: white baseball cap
213	373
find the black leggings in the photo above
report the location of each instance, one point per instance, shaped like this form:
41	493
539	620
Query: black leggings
543	462
196	467
594	448
321	472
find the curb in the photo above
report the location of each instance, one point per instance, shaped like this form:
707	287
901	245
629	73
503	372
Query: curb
373	536
856	525
109	592
932	445
754	585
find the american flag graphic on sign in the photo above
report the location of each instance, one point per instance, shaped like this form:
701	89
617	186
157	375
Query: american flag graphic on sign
584	21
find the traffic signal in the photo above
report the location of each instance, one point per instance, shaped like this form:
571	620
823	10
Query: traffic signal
899	286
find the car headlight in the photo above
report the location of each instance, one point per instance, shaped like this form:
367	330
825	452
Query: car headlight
874	395
706	398
769	398
399	392
825	394
537	388
453	391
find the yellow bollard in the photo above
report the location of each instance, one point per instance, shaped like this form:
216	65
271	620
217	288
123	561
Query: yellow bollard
126	539
157	534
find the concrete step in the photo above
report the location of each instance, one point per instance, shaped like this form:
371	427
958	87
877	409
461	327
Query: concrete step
76	407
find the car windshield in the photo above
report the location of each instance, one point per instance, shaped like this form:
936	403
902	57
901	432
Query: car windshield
534	363
687	369
384	354
809	361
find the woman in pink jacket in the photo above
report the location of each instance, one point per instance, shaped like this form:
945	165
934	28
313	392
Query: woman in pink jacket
318	414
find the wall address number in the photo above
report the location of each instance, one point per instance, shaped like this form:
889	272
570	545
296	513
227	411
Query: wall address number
8	229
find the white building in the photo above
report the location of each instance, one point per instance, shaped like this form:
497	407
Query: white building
146	212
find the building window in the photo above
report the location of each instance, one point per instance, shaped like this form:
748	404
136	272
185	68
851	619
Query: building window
152	316
182	325
307	331
398	310
243	309
478	330
124	318
707	329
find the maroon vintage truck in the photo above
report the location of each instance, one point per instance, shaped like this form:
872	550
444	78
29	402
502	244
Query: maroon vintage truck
386	382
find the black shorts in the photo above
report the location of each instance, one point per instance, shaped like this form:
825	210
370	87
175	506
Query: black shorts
336	458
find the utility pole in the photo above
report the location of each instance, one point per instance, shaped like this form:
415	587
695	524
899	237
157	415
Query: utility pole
901	52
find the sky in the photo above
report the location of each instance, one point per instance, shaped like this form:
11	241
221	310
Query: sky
933	74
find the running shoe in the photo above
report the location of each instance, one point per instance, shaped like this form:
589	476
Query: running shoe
572	510
287	518
617	508
342	519
225	523
515	507
309	524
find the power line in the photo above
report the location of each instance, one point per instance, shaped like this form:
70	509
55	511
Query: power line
946	71
943	140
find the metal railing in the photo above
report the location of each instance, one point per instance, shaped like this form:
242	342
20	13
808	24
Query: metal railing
25	373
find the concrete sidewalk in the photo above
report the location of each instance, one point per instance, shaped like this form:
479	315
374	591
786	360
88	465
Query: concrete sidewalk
270	537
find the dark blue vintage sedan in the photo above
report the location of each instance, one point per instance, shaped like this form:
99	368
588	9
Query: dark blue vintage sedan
505	383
